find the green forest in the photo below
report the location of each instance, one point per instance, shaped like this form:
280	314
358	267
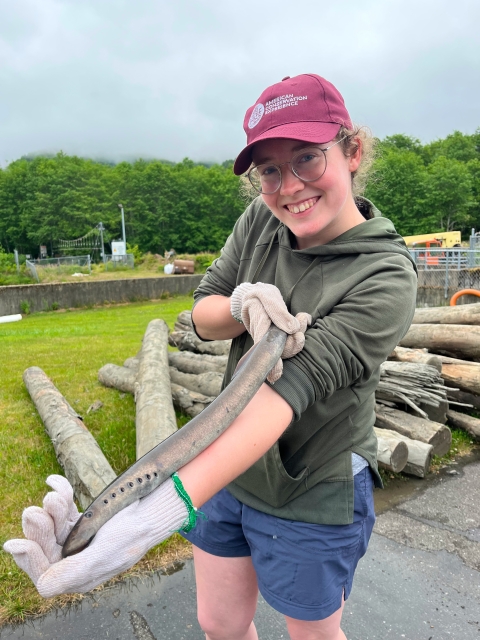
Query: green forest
192	207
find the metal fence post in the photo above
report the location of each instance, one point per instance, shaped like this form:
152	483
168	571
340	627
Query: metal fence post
446	277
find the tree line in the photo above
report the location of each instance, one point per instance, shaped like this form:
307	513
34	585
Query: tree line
428	188
192	207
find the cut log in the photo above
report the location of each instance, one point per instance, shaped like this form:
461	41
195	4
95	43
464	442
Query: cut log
77	451
190	402
461	373
185	317
433	433
155	416
401	354
190	362
419	453
462	398
121	378
447	339
461	314
188	341
392	454
465	376
132	363
209	384
465	422
436	414
184	321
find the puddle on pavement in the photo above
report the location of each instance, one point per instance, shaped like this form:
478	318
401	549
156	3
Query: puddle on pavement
172	568
400	489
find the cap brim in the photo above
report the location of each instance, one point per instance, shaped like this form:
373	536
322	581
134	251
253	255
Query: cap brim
314	132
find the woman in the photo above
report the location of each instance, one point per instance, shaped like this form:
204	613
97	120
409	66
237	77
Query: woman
287	489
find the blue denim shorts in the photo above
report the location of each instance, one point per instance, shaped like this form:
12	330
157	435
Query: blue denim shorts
302	569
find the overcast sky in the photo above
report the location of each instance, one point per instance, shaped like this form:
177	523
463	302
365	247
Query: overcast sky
151	78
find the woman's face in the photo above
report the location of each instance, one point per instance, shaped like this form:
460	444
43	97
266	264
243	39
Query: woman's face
328	206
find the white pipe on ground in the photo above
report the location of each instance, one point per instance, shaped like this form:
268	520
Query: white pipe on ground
13	318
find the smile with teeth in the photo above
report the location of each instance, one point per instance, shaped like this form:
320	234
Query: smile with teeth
303	206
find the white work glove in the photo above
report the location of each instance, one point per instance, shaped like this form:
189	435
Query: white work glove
118	545
258	306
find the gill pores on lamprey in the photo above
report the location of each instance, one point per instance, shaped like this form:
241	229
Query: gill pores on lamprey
174	452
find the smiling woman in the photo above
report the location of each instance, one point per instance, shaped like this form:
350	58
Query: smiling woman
296	522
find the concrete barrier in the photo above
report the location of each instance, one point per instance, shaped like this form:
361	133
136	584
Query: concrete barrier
44	297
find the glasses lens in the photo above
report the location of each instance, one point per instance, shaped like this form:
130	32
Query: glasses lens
265	178
309	164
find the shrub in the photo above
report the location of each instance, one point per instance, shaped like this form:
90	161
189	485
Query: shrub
25	307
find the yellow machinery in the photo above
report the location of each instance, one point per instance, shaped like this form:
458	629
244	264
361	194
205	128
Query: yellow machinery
444	239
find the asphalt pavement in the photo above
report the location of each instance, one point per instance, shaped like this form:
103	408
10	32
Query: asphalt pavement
420	580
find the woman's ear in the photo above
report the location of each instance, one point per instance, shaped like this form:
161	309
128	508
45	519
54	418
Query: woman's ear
355	157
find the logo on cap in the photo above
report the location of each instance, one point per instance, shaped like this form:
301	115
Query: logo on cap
256	115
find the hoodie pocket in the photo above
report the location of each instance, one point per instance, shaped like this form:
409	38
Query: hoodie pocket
268	479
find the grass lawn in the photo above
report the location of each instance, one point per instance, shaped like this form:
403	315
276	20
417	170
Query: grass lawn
70	347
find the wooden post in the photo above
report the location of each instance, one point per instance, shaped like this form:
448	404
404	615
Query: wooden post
77	451
155	416
461	314
453	340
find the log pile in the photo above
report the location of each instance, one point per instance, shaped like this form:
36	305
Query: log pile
448	338
437	364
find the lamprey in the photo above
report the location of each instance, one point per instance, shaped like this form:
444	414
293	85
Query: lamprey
175	451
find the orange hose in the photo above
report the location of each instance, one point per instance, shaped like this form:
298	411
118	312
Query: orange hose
463	292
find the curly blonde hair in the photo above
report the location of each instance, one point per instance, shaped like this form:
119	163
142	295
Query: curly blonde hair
352	138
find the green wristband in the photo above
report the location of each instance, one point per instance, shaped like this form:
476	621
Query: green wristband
193	512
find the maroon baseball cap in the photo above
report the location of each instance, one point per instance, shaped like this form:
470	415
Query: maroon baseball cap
306	107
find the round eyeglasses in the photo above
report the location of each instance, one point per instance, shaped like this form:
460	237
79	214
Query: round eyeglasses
308	165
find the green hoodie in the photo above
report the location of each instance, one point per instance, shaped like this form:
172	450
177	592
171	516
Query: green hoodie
360	290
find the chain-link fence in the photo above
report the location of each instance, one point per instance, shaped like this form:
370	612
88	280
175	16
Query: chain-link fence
447	269
119	262
66	265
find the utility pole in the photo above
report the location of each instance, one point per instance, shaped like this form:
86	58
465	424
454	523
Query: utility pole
16	260
123	227
101	228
